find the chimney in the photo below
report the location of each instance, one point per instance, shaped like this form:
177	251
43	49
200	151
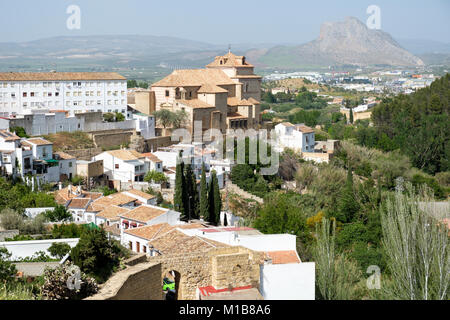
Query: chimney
69	189
59	185
78	190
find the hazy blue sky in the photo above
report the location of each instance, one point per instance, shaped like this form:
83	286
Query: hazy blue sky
221	22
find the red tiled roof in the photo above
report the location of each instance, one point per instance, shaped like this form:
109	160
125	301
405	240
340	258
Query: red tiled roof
283	257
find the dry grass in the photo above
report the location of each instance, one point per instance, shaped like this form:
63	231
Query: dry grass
70	141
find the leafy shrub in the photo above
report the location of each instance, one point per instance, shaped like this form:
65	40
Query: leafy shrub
59	249
56	284
96	255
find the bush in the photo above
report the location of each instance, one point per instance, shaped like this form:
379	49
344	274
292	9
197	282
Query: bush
14	292
7	269
96	255
56	284
60	213
59	249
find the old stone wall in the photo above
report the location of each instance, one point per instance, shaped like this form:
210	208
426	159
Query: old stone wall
85	154
139	282
219	267
107	140
158	142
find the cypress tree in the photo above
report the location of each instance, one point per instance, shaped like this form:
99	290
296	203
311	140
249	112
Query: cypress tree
211	212
348	206
191	204
179	196
351	115
203	195
225	220
214	200
217	197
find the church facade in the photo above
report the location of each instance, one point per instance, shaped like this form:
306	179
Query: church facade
224	95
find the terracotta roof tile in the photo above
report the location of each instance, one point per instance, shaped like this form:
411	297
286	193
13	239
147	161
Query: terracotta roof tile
195	103
112	212
283	257
210	88
141	194
304	129
152	157
8	136
176	242
78	203
235	102
230	60
116	199
39	141
144	213
126	155
194	78
150	232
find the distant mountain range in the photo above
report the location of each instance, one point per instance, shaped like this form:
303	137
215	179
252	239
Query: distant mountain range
343	43
340	43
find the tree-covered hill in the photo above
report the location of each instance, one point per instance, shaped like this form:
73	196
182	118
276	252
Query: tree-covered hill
418	125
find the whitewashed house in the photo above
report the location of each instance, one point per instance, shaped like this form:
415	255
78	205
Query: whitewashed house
299	138
67	165
124	165
9	142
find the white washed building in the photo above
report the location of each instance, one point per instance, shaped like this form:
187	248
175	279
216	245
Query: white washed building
70	91
299	138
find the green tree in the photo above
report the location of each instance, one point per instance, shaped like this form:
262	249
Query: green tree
203	194
347	204
59	249
95	254
336	275
119	117
214	200
59	214
280	214
156	177
417	246
7	268
268	97
164	117
179	119
109	117
351	115
180	189
192	196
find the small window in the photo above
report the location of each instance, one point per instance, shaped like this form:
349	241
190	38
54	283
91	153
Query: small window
167	93
117	166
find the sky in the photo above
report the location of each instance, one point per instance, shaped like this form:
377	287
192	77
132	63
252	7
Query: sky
219	22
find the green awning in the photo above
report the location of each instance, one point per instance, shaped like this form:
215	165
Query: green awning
52	161
92	226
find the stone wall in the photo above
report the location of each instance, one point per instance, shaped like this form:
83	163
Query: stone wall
107	140
159	142
219	267
139	282
5	234
85	154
